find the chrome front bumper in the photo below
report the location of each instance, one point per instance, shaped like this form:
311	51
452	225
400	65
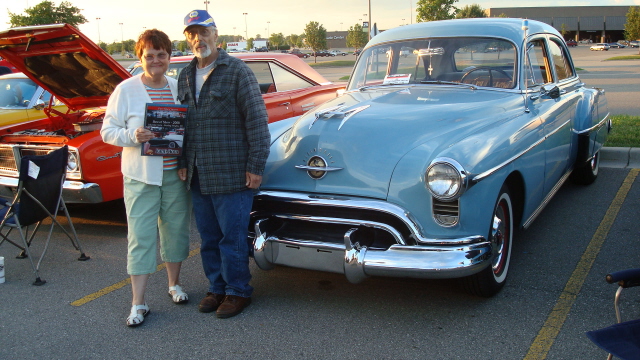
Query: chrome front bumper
73	192
358	262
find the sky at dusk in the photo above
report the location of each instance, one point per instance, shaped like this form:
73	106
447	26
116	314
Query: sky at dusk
120	19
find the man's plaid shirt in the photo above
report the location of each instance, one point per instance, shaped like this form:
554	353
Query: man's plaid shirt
227	128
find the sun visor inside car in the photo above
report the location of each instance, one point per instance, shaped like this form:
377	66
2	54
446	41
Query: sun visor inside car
71	75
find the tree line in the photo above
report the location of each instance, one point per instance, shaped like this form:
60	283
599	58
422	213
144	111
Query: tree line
314	35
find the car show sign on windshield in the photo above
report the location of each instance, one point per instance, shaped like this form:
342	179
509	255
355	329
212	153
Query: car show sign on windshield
167	122
397	79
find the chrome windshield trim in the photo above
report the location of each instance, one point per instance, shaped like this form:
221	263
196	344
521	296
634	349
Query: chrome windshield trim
484	174
366	204
596	126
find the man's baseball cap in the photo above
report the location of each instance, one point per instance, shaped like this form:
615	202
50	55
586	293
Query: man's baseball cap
198	17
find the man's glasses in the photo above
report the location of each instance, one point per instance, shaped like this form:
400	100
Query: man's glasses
203	32
161	56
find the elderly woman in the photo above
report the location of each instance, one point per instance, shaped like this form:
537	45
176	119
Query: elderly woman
155	196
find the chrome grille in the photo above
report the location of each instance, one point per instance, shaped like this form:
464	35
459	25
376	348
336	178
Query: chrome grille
7	159
32	151
446	213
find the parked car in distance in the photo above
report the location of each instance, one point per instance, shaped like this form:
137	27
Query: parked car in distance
616	45
65	62
299	53
176	53
428	164
572	43
337	53
322	53
357	52
634	44
599	47
6	63
22	102
262	49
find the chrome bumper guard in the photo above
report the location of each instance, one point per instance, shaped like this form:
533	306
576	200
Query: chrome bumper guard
358	262
73	192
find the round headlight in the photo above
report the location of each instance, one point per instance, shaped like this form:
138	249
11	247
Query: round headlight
72	162
446	179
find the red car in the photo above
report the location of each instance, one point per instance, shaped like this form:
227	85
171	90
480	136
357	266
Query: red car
299	53
572	43
81	75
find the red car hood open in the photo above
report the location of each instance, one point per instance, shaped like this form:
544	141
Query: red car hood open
63	61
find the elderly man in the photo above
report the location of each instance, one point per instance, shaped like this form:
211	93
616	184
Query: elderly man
226	147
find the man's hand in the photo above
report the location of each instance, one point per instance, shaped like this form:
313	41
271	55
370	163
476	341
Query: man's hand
182	174
253	181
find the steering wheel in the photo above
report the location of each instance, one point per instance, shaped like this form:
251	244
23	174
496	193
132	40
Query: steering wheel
490	70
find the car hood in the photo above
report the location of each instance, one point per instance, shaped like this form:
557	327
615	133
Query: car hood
361	136
63	61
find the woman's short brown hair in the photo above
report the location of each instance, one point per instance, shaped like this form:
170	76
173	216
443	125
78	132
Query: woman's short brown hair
153	38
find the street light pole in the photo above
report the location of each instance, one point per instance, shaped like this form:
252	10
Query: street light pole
122	37
246	35
98	21
206	5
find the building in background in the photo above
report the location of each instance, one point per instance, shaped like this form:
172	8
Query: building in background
581	23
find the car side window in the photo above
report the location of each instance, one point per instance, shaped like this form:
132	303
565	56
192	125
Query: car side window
560	61
538	72
272	77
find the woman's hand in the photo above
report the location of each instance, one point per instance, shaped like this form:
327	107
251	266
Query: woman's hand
143	135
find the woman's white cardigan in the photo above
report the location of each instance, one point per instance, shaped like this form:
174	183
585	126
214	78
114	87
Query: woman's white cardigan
125	113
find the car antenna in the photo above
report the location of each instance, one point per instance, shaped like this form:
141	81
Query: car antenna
525	27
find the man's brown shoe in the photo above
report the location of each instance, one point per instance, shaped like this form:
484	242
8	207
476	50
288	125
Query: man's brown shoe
210	303
232	306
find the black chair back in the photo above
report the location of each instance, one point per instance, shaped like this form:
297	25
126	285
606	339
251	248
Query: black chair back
41	176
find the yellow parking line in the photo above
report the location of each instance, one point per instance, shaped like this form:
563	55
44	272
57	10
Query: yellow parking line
119	285
547	335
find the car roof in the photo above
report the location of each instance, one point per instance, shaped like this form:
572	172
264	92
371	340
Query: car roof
17	75
509	28
289	60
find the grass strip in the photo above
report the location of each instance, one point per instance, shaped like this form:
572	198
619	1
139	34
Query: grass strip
625	131
334	63
625	57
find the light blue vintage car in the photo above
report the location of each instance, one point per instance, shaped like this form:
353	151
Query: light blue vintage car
449	136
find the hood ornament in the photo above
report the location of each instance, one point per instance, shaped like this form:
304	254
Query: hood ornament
337	111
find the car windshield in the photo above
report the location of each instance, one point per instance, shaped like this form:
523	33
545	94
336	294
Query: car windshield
173	70
485	62
16	93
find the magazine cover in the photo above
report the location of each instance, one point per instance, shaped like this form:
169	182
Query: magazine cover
167	122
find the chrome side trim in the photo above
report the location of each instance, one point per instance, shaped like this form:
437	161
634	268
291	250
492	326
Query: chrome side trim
596	126
363	204
484	174
547	198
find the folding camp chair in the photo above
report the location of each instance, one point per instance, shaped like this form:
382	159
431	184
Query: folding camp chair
621	340
38	197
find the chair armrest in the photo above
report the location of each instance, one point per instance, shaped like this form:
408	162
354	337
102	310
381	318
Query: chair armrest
625	278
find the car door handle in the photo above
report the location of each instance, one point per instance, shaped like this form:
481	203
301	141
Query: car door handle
285	104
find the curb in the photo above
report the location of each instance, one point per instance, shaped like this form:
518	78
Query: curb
620	157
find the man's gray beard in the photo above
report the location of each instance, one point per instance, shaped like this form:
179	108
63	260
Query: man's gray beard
203	54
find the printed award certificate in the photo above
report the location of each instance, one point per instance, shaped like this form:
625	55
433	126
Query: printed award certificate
167	122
